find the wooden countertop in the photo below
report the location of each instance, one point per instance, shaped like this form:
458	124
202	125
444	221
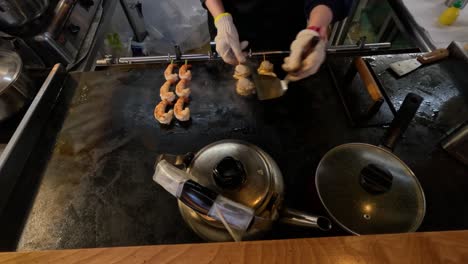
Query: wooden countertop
433	247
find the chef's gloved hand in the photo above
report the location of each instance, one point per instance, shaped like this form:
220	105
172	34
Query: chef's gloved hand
227	40
293	64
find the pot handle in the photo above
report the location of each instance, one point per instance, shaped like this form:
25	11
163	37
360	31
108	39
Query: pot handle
298	218
402	120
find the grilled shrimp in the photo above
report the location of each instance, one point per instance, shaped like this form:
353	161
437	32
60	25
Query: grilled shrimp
160	113
181	88
181	113
245	87
172	77
185	73
164	92
266	68
241	71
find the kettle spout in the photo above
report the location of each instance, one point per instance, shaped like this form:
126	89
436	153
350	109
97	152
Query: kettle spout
298	218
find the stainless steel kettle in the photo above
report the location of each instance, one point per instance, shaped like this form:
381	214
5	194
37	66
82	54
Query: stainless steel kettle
230	190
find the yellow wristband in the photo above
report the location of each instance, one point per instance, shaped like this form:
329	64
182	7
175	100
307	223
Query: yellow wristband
220	16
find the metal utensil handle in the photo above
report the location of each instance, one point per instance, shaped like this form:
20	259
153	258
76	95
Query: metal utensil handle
368	80
402	120
298	218
433	56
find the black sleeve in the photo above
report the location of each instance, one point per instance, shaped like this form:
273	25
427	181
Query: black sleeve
203	3
340	8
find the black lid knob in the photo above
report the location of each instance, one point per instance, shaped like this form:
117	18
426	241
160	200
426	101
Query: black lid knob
229	173
375	179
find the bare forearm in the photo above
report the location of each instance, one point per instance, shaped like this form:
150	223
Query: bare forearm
320	16
215	7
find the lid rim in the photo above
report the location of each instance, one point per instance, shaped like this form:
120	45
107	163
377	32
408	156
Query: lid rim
419	219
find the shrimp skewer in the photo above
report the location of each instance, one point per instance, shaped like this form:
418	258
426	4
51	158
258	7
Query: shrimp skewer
172	77
241	71
184	72
266	68
164	92
160	113
245	87
181	113
181	88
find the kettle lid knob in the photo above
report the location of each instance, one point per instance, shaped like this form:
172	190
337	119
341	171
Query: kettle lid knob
229	173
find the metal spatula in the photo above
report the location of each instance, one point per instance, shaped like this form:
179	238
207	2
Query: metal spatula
406	66
269	87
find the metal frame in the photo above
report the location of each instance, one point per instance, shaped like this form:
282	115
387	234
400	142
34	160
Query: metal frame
385	27
136	23
406	26
346	24
344	50
89	62
17	151
409	26
399	18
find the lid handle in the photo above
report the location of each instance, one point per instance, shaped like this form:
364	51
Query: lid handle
229	173
375	179
402	120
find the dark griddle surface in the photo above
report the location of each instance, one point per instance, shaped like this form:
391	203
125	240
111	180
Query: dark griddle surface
97	189
95	162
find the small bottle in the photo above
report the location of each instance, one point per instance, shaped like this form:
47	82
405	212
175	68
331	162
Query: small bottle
450	14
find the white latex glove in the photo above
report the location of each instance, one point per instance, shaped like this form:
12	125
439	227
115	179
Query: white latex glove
227	41
311	64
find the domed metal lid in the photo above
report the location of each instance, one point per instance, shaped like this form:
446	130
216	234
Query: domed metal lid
238	170
10	67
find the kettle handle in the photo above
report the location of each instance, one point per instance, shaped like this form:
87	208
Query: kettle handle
299	218
202	199
182	161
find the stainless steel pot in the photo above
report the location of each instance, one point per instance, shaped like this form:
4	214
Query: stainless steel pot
16	13
230	190
16	89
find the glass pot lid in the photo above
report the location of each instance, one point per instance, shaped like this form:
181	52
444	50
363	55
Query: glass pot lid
368	190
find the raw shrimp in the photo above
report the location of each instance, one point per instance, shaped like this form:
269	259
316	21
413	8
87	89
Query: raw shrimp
241	71
172	77
181	88
266	68
181	113
245	87
185	73
164	92
160	113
